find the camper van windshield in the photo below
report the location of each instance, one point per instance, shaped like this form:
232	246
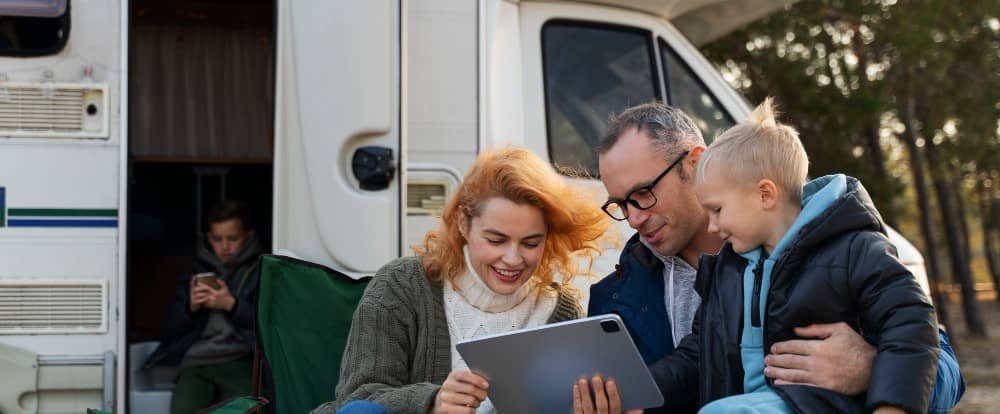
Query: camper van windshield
687	92
592	71
33	27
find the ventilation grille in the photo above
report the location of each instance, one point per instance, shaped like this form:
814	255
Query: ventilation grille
55	307
53	110
425	198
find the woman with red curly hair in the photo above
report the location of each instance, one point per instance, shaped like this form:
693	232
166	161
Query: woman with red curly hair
510	240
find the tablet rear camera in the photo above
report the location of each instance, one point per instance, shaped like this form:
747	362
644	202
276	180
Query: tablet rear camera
610	326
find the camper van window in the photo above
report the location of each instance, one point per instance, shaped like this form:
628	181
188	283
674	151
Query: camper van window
33	27
591	71
687	92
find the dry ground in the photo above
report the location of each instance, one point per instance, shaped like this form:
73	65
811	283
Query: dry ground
978	357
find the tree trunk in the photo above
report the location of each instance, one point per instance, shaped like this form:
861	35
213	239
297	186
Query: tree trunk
909	138
878	163
953	231
989	231
963	214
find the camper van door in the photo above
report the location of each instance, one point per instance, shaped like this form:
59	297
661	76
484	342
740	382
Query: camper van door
338	164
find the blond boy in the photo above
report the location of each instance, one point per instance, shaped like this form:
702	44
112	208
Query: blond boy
797	253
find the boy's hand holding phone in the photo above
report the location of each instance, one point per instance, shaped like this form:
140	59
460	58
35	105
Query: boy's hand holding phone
208	278
207	290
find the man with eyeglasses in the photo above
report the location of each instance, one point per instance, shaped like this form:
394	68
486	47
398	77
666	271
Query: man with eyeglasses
647	159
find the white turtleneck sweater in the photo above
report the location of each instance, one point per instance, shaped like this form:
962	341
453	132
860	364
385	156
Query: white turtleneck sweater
474	310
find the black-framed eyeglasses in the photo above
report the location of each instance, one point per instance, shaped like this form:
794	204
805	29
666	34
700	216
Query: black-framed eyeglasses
641	198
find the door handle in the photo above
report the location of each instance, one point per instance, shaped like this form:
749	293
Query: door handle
374	167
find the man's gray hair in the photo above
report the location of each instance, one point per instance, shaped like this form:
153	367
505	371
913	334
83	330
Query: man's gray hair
665	125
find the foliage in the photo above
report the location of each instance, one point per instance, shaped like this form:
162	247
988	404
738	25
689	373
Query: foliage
861	79
839	68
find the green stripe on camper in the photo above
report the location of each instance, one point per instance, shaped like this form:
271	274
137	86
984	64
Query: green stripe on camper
61	212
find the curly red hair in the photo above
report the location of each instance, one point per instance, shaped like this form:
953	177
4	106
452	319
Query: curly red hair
576	225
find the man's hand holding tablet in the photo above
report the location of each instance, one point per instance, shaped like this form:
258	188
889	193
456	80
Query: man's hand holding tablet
606	399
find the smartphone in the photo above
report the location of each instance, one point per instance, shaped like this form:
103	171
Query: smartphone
208	278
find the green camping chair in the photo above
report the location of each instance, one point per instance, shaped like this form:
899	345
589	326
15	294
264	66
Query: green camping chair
236	405
304	313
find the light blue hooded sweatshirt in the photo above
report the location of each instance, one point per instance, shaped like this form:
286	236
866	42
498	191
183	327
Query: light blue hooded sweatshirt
817	196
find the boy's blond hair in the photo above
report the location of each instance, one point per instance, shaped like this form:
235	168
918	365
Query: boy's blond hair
759	147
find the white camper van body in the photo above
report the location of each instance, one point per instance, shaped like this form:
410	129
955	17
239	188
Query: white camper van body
436	82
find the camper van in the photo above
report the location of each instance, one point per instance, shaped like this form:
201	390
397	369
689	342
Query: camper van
345	125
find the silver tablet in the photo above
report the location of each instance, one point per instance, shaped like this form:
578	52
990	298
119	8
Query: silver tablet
533	370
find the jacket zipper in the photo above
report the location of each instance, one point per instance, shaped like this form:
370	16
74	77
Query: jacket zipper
758	279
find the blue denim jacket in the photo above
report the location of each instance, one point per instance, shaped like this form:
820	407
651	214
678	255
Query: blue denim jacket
634	291
949	384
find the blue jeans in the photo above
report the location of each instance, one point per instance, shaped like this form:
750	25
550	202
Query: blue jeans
761	402
362	407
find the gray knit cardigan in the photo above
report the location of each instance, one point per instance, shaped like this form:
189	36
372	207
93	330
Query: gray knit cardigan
399	350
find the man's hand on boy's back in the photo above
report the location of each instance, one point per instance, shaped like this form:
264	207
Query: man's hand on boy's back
836	358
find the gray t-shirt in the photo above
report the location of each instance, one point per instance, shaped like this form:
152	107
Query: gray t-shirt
219	342
681	299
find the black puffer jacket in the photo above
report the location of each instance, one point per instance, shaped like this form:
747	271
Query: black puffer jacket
184	327
839	267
